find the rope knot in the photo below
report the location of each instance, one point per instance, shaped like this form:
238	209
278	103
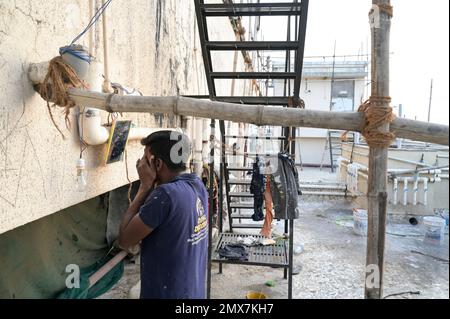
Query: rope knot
296	103
385	8
377	111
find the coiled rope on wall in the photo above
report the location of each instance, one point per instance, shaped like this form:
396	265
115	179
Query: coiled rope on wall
59	79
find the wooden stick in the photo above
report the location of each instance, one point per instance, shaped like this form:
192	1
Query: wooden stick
256	114
107	268
378	157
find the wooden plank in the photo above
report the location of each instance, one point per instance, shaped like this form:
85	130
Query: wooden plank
255	114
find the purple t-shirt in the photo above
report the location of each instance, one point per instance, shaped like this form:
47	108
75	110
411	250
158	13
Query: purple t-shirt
174	255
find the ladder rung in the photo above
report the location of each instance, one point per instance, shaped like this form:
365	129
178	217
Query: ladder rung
252	226
280	138
241	195
253	154
312	193
251	9
250	45
254	75
239	169
242	205
312	186
241	216
239	182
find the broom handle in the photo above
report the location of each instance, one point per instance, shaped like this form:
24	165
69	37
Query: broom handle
106	268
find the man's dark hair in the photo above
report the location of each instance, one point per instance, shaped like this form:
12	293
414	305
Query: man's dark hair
173	148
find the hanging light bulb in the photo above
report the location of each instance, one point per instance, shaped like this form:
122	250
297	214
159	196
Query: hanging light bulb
81	182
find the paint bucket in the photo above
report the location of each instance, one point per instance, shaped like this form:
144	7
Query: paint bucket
256	295
434	230
360	220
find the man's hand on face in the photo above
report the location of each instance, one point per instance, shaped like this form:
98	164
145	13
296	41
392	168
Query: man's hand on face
147	172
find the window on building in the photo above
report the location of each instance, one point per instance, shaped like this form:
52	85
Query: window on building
343	96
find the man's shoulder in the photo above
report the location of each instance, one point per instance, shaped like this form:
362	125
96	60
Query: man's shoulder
158	194
179	186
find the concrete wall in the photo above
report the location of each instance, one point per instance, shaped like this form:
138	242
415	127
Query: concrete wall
154	47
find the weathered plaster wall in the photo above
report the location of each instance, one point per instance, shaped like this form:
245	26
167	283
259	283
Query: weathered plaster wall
153	46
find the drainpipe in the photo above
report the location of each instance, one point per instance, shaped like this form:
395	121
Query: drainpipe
205	141
198	144
405	191
91	130
395	191
415	190
425	191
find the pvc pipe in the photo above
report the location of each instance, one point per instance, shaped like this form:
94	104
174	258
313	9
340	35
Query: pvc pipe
205	141
407	161
423	180
396	159
139	133
198	144
92	132
432	170
425	191
37	72
405	191
415	190
395	200
363	175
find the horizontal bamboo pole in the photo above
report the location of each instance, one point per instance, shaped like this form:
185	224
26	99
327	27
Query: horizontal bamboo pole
255	114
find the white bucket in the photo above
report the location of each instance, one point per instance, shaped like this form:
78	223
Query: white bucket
434	230
360	218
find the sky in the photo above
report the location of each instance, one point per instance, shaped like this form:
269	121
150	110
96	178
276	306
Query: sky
419	47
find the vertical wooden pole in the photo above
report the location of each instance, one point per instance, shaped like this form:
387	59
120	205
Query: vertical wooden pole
378	156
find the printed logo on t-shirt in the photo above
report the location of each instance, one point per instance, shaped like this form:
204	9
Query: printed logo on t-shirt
200	208
200	230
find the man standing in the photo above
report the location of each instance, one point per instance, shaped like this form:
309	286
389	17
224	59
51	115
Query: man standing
169	216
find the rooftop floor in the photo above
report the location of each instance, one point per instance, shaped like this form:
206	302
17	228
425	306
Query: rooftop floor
333	261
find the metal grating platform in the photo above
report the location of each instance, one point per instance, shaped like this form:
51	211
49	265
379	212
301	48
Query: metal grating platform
273	256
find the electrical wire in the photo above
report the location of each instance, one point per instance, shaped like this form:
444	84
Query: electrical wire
79	51
93	20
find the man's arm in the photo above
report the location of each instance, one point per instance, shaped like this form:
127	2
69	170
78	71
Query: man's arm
133	229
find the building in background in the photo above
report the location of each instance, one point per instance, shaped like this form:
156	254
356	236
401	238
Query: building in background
326	85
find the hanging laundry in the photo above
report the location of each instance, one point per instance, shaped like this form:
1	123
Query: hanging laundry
285	188
266	230
206	181
257	188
